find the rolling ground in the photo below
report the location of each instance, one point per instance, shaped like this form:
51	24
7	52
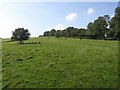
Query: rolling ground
60	63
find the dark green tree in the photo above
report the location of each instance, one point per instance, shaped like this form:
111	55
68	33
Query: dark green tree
108	20
115	24
81	33
100	27
91	29
64	33
52	32
69	31
58	33
46	33
20	34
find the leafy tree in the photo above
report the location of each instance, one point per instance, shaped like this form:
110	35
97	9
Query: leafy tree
91	29
111	33
58	33
108	20
81	33
52	32
69	31
64	33
115	23
46	33
20	34
100	27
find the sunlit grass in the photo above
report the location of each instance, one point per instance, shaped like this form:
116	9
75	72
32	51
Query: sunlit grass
60	63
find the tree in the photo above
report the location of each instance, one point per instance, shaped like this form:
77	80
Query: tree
68	31
58	33
64	33
108	20
91	29
20	34
52	32
46	33
100	27
115	23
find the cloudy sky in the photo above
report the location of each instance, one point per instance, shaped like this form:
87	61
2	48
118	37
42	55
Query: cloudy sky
38	17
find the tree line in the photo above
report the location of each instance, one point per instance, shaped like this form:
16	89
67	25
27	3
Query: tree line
104	27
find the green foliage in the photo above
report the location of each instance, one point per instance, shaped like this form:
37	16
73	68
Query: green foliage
70	63
115	23
20	34
91	28
58	33
46	33
102	28
68	32
99	27
52	33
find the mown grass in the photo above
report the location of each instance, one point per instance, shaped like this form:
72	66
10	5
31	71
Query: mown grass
60	63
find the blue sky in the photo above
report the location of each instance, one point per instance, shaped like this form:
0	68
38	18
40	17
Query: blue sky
38	17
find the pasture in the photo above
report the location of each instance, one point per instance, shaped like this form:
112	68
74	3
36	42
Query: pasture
60	63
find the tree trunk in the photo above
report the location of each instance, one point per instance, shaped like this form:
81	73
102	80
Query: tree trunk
21	41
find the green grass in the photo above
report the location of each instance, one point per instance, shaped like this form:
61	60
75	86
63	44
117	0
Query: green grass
60	63
0	63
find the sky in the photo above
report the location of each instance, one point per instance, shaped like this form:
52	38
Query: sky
39	17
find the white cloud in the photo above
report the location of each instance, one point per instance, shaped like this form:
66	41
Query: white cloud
57	27
71	17
91	11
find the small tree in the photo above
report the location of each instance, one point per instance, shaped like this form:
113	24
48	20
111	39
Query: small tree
20	34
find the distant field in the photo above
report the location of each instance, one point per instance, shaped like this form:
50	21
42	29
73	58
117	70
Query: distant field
60	63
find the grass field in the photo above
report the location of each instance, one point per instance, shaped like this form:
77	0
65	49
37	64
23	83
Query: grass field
60	63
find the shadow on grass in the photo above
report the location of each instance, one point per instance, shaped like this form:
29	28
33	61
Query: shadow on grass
22	43
28	43
6	41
